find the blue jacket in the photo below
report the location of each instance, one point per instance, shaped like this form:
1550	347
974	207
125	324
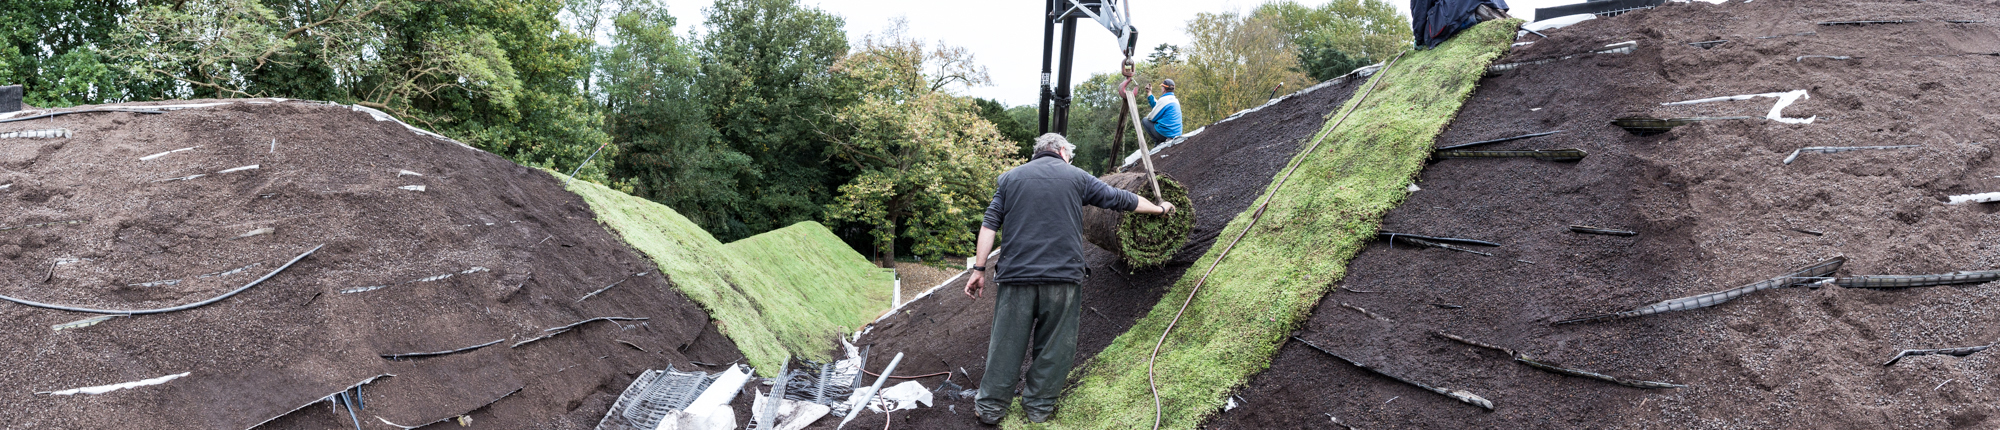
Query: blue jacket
1166	115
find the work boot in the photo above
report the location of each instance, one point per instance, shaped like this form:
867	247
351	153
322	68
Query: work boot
1040	416
991	420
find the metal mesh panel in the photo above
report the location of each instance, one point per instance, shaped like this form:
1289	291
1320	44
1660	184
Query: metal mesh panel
652	395
823	384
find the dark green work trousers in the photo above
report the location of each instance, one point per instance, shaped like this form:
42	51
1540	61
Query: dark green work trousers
1045	314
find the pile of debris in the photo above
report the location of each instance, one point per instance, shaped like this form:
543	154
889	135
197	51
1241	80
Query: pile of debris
797	398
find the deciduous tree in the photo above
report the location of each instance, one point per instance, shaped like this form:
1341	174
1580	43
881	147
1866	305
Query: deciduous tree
1341	35
1232	62
766	82
501	75
1093	121
1010	127
48	47
927	159
668	151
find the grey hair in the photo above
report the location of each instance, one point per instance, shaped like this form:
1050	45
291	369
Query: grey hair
1051	141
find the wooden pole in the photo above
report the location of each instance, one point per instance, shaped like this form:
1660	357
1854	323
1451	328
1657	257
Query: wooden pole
1145	150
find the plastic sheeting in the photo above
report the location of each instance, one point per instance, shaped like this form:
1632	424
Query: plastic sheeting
907	395
1558	22
792	414
1785	99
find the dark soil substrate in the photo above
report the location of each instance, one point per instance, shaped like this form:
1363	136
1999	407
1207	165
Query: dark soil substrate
1714	208
520	249
917	277
1222	168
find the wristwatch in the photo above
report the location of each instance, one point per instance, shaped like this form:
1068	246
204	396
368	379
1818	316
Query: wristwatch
978	268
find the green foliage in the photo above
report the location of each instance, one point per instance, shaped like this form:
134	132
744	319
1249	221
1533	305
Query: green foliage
1029	117
787	292
765	80
927	159
499	74
46	47
1341	35
1273	278
1164	54
668	151
1093	119
1010	126
1329	63
457	81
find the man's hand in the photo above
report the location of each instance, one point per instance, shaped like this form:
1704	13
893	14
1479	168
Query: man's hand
985	249
1146	207
975	285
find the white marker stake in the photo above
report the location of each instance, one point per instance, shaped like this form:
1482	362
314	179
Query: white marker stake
101	389
1975	198
854	408
163	154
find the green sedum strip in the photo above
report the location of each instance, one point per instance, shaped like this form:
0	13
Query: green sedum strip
1274	277
787	292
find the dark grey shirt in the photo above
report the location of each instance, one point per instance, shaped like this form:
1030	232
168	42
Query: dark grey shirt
1038	210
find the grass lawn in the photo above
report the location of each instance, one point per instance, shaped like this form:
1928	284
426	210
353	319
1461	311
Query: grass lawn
1271	281
787	292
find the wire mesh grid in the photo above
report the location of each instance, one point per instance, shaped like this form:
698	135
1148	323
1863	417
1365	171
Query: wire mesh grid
652	395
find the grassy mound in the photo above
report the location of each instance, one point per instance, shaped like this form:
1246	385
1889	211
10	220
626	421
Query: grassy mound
1275	276
786	292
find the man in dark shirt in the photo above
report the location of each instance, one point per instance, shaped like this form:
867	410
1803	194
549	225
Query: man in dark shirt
1039	209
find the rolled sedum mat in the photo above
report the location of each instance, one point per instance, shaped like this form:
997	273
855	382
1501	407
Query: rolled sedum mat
1144	240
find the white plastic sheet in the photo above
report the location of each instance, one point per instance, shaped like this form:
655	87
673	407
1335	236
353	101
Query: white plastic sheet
907	395
710	410
1558	22
792	414
1785	99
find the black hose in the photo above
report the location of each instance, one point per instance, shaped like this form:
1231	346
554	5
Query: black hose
165	310
1907	281
1503	139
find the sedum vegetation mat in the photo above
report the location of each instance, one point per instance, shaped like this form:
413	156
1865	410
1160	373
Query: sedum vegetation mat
1144	240
1314	225
786	292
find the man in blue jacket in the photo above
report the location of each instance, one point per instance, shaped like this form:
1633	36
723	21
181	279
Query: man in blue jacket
1164	122
1038	208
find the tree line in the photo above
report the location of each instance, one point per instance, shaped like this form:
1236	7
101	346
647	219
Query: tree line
765	117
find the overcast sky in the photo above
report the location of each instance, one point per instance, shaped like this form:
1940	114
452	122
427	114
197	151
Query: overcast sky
1006	36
